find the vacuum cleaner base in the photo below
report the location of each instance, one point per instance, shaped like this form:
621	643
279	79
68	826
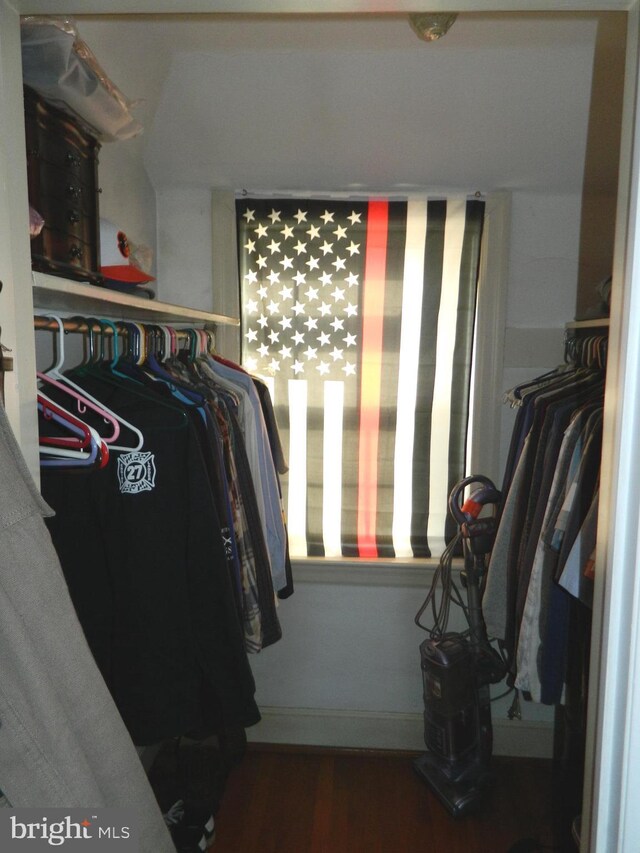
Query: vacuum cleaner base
458	796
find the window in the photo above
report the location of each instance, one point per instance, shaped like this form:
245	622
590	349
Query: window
360	317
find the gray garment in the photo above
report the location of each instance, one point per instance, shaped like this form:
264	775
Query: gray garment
495	599
62	741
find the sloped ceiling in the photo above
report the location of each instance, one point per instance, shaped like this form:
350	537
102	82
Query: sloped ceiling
356	103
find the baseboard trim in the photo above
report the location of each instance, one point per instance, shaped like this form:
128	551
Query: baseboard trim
386	731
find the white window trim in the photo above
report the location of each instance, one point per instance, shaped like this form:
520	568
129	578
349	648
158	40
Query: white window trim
350	571
491	321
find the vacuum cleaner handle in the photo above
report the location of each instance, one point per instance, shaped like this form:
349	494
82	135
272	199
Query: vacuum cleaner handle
478	533
472	506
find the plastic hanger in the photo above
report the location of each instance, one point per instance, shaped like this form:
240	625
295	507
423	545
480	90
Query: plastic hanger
53	453
131	363
56	379
51	411
96	404
83	403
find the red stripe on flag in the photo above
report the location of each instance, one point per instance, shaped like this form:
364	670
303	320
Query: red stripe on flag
372	324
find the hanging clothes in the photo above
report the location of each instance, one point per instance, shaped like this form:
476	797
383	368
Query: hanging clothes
62	741
164	551
255	559
259	458
141	545
549	488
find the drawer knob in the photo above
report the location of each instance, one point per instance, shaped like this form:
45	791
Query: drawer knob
75	252
71	159
74	192
73	216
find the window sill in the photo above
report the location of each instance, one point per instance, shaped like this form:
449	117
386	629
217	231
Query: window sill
353	572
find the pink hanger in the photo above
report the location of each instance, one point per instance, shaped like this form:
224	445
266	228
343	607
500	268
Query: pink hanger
86	404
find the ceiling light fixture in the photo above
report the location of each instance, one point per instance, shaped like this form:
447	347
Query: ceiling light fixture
430	26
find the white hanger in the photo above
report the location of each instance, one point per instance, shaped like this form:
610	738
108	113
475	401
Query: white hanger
56	373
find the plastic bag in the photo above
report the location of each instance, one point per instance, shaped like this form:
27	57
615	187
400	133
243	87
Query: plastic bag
62	69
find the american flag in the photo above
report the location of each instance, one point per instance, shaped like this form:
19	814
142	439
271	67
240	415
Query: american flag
345	316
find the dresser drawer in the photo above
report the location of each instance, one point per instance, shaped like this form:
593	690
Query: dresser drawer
50	187
68	218
62	153
54	250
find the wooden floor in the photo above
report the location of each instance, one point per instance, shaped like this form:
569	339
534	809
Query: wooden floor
287	801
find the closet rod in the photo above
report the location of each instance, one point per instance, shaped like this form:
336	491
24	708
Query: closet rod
84	325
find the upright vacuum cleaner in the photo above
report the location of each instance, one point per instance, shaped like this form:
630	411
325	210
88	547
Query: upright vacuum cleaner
457	668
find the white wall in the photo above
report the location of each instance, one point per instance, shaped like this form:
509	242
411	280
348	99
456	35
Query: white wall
185	267
127	197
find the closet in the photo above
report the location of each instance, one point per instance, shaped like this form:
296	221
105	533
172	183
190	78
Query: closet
48	296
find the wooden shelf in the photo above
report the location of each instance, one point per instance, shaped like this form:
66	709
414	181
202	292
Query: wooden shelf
53	293
602	322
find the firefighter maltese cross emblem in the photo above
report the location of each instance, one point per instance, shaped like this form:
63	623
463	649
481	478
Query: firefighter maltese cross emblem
136	473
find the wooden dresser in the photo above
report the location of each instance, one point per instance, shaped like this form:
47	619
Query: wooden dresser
62	171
